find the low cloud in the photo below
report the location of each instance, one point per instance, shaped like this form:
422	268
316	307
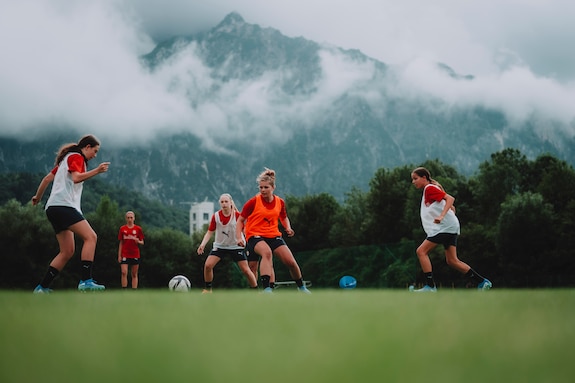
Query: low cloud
77	64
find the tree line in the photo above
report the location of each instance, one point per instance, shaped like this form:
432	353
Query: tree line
517	217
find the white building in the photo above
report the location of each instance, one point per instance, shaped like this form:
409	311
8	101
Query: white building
200	214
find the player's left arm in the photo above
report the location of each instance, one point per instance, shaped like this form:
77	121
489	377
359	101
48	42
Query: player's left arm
449	200
287	226
78	177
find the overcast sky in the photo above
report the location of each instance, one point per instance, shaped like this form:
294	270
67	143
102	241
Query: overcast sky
76	62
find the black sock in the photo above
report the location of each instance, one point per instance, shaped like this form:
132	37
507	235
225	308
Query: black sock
208	285
473	276
429	279
51	274
265	281
299	282
273	285
86	270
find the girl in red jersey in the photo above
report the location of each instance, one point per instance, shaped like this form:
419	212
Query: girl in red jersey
259	218
64	212
131	237
223	223
442	228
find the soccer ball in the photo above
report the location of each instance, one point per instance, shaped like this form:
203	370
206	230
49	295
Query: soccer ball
347	282
180	283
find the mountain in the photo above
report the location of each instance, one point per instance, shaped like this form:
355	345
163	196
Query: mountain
323	117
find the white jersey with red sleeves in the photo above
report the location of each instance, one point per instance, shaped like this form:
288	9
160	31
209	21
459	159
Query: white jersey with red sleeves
226	231
432	208
64	191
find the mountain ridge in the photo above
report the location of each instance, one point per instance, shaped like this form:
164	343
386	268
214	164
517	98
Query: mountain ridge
323	117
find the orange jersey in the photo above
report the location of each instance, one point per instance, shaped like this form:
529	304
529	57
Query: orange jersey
263	219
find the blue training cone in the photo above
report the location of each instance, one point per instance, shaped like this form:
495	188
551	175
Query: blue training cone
347	282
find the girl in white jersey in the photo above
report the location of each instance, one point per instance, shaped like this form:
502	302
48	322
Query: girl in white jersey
64	212
442	227
223	223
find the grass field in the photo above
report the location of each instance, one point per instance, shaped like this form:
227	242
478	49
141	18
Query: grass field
329	336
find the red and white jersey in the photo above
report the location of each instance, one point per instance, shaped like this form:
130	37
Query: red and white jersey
225	228
64	191
432	204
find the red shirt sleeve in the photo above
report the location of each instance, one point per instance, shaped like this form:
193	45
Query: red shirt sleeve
433	194
76	163
213	222
54	170
283	212
248	208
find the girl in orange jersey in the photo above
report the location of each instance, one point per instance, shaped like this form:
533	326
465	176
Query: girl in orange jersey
259	220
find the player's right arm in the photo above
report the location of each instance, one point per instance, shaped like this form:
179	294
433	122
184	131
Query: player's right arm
205	240
120	251
42	187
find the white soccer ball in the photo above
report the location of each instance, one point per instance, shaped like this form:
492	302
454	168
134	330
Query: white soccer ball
180	283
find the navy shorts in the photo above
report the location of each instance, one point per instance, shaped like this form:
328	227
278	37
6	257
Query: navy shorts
445	239
62	217
236	254
273	243
130	261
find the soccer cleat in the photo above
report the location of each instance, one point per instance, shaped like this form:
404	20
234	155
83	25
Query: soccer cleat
426	289
42	290
206	291
90	285
304	289
268	290
485	285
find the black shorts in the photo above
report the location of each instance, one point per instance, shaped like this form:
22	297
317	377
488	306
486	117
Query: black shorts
130	261
445	239
236	254
62	217
273	243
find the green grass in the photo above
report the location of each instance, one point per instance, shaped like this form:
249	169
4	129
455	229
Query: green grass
329	336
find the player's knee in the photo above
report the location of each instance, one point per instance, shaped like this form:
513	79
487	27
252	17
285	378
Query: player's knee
91	237
452	261
68	252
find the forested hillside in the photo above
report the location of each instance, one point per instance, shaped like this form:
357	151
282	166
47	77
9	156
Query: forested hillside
152	213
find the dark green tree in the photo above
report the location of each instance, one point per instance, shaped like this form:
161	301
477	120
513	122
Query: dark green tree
350	223
386	202
525	239
554	180
169	253
507	174
28	244
106	221
312	218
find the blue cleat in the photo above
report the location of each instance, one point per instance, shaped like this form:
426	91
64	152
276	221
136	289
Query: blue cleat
426	289
485	285
268	290
304	290
42	290
90	285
